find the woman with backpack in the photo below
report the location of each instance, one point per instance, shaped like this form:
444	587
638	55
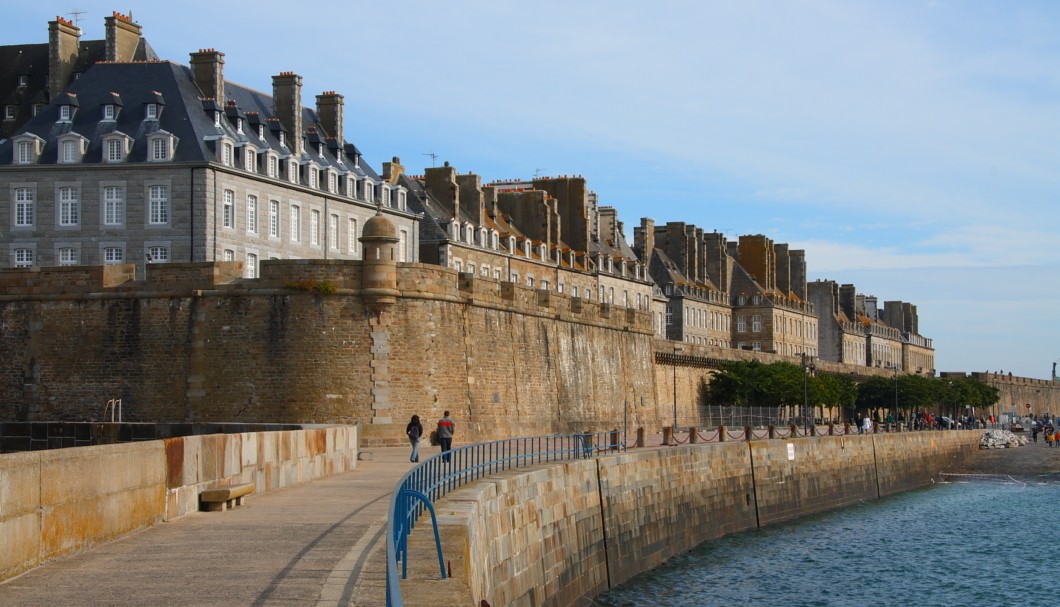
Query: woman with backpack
414	431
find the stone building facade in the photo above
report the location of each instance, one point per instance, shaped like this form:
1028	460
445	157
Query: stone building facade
154	162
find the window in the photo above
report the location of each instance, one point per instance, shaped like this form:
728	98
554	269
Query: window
23	258
151	111
37	107
69	152
250	159
741	324
402	202
756	323
333	232
314	227
159	149
226	154
530	281
369	191
69	256
351	238
65	112
252	214
108	112
112	255
252	265
113	205
229	255
669	316
25	152
292	170
458	265
274	218
386	196
331	182
115	150
10	112
296	223
311	172
69	206
228	212
403	242
272	165
157	254
496	274
25	207
158	204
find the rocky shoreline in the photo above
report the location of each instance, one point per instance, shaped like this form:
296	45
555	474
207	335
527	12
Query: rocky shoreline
1031	461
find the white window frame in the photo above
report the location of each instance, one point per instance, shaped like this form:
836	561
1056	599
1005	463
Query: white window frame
113	254
69	256
113	202
25	207
156	254
292	170
314	227
274	218
158	204
250	266
272	166
333	232
296	223
151	111
65	113
23	257
228	209
114	150
109	111
252	214
352	236
68	204
160	148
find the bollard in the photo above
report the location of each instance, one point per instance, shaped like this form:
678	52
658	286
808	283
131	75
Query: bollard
721	434
640	437
813	429
747	434
831	429
794	431
693	435
668	436
614	440
772	431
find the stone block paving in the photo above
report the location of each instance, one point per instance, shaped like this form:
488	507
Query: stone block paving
319	543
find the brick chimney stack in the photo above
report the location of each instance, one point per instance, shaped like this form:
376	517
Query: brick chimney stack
123	36
329	112
208	67
644	240
63	41
287	106
393	170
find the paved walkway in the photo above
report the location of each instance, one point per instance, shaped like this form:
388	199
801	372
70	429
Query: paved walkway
320	543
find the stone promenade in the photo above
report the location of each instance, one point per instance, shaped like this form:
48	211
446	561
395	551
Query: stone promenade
319	543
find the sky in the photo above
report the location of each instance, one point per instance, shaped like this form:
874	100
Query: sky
911	148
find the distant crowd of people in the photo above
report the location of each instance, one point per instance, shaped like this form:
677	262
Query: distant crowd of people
923	420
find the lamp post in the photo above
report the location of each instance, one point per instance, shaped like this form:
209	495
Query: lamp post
676	350
807	366
896	394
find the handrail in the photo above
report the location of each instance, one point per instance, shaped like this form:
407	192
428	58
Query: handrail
435	477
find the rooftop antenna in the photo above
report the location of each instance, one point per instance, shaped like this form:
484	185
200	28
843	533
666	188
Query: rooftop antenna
76	14
537	172
434	157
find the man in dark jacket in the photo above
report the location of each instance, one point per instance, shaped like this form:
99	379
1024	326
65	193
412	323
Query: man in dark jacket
446	427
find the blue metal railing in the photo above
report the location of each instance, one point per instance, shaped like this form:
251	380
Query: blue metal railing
434	478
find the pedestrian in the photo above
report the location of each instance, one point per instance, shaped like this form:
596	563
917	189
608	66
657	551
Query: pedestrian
446	427
1034	431
866	424
414	431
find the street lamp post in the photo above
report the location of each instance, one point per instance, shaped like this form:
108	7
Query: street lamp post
807	366
676	350
896	395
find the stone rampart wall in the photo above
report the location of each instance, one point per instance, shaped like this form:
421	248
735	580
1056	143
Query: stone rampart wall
555	536
65	500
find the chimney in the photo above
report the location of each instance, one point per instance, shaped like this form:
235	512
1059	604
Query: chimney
63	41
287	106
208	67
644	240
798	272
329	112
123	37
471	196
848	301
391	170
441	184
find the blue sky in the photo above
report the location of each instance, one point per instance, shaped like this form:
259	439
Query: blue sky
911	148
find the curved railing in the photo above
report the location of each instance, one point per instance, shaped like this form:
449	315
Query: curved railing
434	478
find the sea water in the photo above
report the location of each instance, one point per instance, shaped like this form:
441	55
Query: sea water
983	543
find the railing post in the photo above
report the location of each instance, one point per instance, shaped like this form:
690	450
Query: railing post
772	431
693	435
668	436
831	429
721	434
614	440
640	437
748	435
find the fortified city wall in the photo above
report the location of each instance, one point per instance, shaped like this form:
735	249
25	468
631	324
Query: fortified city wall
573	530
305	344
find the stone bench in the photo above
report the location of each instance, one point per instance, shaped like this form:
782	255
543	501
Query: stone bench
222	498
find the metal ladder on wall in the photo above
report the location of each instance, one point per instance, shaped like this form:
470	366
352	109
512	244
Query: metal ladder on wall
112	405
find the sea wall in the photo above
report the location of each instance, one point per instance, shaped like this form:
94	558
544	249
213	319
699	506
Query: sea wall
59	501
559	535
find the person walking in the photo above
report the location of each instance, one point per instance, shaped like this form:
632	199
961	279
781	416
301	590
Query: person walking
446	427
867	424
414	431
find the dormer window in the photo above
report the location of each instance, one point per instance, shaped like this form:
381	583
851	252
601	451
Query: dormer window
292	170
27	148
386	196
110	112
160	146
526	248
66	112
239	125
369	191
151	112
10	111
283	139
71	148
311	173
23	81
217	119
272	165
226	154
320	150
351	186
402	200
115	147
332	180
250	159
261	132
37	107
